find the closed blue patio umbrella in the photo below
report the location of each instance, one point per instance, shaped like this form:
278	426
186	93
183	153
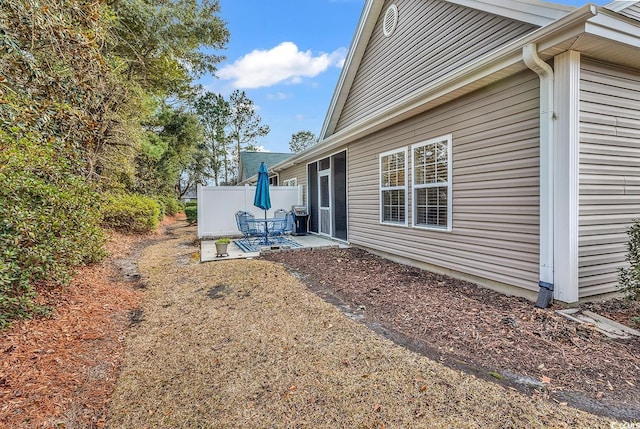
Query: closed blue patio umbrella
262	198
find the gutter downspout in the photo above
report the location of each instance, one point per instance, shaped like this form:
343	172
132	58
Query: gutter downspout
547	117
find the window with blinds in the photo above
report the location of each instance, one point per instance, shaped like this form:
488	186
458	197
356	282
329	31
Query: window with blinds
393	187
432	183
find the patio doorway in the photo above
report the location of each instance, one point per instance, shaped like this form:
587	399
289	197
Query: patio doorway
324	201
327	198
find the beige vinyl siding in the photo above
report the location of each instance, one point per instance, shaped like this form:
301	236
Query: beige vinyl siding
609	172
432	39
300	173
300	170
495	186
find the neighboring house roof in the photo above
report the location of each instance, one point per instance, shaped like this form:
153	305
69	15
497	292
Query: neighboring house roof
191	195
608	33
250	162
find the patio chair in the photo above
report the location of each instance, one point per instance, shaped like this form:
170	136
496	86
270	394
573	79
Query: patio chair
248	229
291	220
277	227
280	213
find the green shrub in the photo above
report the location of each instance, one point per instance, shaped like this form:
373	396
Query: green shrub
172	205
130	213
49	221
629	278
162	209
192	213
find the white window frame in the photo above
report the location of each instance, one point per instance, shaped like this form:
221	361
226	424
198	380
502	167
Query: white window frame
383	188
290	182
414	186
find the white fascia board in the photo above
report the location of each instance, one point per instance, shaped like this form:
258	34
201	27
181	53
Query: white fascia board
609	27
365	27
533	12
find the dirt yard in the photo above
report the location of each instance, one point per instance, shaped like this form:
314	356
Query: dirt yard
246	344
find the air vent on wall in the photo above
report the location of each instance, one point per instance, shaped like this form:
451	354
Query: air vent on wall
390	20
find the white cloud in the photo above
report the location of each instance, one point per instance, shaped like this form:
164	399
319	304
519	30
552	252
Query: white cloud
278	96
282	64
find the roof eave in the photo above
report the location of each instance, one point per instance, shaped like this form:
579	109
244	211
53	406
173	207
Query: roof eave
619	5
530	11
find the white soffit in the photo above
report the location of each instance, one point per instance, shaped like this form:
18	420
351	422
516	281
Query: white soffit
531	11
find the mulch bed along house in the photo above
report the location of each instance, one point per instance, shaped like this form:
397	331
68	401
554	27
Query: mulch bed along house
495	336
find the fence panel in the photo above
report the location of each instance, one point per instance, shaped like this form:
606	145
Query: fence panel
217	206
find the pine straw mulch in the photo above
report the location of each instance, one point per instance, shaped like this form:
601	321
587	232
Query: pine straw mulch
489	334
59	371
244	344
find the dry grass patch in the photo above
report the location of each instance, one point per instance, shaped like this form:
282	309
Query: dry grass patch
244	344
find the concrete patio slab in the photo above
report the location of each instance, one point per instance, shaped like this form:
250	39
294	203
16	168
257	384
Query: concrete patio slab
208	248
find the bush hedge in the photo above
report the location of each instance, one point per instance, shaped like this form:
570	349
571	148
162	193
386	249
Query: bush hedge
629	278
130	213
49	222
171	205
191	210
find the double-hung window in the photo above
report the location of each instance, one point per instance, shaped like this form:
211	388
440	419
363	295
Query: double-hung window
290	182
393	187
432	183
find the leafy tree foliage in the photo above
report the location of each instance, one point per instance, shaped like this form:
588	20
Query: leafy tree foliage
244	123
629	277
83	86
194	174
172	138
214	112
159	42
56	80
49	222
230	126
301	141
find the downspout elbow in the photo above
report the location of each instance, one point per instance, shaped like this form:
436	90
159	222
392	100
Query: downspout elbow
546	75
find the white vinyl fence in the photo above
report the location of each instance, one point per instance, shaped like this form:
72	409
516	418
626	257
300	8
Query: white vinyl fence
217	206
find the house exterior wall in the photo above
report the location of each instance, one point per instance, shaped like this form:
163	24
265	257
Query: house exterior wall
299	172
432	38
495	163
609	172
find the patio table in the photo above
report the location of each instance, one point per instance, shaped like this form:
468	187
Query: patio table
264	225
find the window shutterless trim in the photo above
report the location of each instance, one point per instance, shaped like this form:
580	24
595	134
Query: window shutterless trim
414	186
382	189
290	182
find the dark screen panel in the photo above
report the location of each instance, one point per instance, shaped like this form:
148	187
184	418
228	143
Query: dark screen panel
312	201
339	171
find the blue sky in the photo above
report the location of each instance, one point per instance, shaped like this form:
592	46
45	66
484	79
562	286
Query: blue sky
287	56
